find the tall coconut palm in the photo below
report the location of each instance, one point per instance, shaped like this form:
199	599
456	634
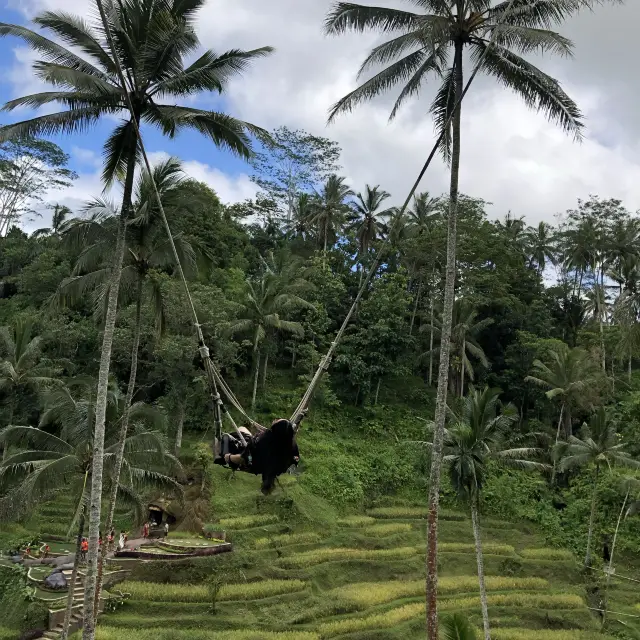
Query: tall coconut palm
600	446
22	366
476	436
266	300
60	214
366	218
569	373
541	245
299	226
464	343
582	240
420	49
152	40
597	305
147	248
421	216
330	210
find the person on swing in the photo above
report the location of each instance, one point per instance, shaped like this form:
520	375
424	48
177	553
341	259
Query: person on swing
269	453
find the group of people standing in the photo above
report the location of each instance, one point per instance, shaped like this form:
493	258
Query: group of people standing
122	540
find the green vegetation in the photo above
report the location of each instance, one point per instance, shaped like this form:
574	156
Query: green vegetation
521	440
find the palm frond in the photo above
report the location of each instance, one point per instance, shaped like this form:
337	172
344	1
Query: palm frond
537	89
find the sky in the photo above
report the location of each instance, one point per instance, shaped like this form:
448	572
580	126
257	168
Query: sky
511	156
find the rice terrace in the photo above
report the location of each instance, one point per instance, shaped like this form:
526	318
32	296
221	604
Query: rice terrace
319	319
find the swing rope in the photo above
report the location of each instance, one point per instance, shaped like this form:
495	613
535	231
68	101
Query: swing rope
326	360
214	377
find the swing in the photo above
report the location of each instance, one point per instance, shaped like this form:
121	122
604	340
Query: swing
214	377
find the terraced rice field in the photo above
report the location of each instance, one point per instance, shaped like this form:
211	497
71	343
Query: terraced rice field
360	579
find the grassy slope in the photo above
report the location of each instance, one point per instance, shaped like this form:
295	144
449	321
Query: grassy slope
333	601
327	553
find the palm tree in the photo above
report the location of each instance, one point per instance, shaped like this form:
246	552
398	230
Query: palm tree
477	436
421	216
570	372
60	214
48	464
599	446
597	305
22	367
330	210
457	627
466	329
299	225
152	39
265	301
367	220
582	240
421	48
541	245
146	248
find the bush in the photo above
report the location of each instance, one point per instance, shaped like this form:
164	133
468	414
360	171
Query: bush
546	554
156	592
391	528
488	548
247	522
356	521
316	556
155	633
369	594
286	539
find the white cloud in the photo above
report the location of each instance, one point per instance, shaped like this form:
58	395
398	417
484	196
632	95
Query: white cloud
229	188
511	156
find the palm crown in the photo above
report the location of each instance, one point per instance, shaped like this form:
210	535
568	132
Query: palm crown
147	246
152	38
424	41
367	220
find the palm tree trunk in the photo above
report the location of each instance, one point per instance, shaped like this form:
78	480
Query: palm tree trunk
264	370
603	355
483	591
613	548
375	401
592	518
553	474
255	380
293	356
74	575
464	345
629	368
443	372
95	502
12	408
568	422
415	306
122	437
324	252
179	429
431	341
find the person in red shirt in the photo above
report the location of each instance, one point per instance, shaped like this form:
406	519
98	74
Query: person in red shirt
84	547
46	551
